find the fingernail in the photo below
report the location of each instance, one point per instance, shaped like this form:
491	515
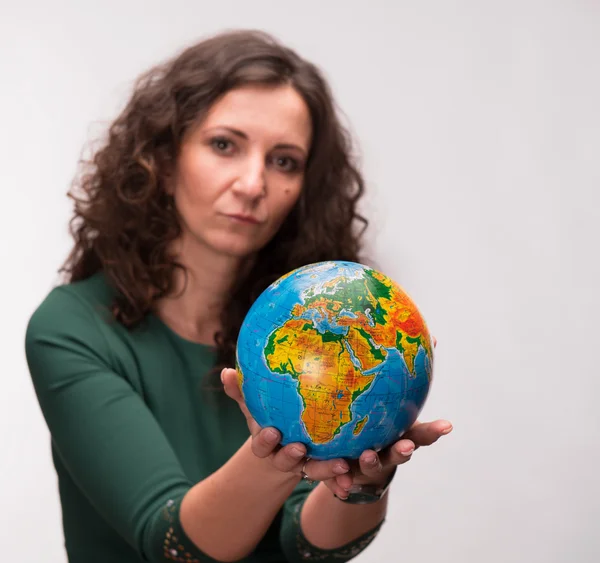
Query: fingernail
371	460
297	453
407	452
340	469
222	378
271	436
447	430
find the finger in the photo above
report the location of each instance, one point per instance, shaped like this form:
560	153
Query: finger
265	441
345	480
398	453
290	457
338	490
427	433
327	469
434	341
369	464
229	377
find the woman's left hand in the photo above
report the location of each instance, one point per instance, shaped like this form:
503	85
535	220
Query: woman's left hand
376	467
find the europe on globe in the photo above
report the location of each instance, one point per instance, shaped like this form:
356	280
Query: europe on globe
337	356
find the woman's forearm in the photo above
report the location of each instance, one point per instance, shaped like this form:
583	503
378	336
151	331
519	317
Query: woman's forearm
329	523
228	513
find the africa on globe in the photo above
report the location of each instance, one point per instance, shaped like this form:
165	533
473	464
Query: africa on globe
337	356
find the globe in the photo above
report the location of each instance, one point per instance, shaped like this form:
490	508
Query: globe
337	356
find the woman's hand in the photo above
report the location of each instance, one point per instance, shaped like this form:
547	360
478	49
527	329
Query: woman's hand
292	457
376	467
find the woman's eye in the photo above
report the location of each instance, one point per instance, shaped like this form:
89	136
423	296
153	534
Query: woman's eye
220	144
286	163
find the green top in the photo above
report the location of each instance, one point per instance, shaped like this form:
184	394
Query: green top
133	429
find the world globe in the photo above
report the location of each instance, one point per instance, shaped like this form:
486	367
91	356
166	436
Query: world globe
337	356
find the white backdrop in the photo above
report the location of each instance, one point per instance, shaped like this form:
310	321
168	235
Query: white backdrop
479	124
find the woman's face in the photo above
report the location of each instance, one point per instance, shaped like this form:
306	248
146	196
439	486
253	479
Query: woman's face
241	170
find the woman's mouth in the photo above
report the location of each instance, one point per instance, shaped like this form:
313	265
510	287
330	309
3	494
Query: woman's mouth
241	218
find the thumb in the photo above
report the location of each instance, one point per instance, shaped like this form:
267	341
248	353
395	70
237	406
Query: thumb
231	384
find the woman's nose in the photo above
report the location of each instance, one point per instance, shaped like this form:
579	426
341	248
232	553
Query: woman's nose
251	182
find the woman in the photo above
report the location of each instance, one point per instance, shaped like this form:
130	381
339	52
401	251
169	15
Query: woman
227	169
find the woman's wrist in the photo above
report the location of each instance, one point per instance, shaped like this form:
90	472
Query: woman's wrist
244	494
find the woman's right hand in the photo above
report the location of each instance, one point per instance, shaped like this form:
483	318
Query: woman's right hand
334	473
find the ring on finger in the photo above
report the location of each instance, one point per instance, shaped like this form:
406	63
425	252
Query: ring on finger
304	475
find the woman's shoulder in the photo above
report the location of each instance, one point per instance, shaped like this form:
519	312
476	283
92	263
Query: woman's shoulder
66	329
76	308
94	294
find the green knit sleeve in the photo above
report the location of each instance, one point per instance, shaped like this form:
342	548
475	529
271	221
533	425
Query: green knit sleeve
299	550
109	441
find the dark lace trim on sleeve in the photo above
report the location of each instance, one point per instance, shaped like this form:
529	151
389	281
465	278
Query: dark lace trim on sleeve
309	552
176	545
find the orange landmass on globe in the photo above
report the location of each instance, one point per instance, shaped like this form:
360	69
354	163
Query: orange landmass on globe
328	381
360	425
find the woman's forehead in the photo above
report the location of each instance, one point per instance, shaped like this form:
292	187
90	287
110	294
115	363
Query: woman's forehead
273	111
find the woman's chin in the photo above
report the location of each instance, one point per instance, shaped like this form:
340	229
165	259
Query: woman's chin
236	247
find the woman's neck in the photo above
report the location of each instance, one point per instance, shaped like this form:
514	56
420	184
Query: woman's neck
194	308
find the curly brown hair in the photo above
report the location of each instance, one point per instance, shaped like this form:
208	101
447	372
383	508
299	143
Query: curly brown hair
123	221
